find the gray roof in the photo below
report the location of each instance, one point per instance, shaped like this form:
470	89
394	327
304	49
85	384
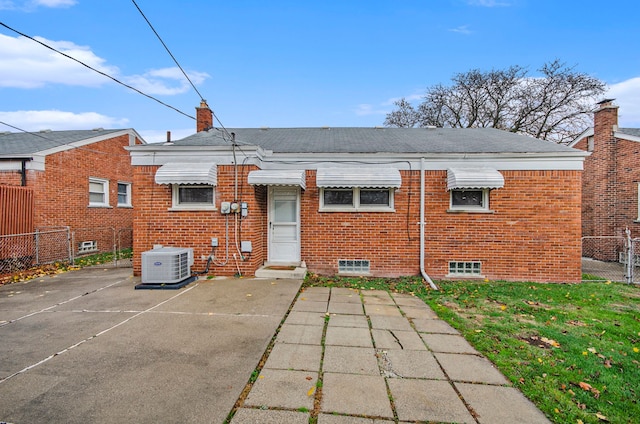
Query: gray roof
378	140
27	143
630	131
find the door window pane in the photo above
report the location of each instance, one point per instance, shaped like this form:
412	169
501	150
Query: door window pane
285	211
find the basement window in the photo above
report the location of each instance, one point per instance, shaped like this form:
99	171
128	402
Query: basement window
465	269
87	246
354	266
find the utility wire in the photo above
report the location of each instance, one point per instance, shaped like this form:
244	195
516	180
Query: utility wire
178	64
167	48
95	70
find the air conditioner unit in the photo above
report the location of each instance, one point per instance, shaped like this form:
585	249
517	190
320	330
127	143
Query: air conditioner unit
166	265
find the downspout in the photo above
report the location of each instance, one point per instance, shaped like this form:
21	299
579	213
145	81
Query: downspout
422	224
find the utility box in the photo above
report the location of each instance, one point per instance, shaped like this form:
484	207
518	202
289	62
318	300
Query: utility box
245	247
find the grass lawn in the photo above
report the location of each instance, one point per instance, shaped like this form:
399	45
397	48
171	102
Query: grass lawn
573	349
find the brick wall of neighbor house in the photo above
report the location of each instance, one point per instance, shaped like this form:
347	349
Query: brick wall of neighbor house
610	183
13	178
533	234
155	224
61	192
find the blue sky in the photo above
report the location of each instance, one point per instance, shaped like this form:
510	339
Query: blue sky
284	63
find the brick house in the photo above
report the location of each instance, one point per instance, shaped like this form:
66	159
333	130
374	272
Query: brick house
611	182
444	203
80	179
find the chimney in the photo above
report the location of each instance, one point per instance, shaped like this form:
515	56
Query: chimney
204	117
605	119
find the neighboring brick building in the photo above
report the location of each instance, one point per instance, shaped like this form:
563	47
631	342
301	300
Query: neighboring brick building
611	182
346	201
80	179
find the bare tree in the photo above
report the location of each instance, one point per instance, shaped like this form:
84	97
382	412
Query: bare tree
555	106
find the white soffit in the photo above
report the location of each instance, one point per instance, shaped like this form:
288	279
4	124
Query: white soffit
359	177
187	173
278	178
474	178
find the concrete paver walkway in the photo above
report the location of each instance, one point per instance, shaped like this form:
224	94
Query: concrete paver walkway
367	357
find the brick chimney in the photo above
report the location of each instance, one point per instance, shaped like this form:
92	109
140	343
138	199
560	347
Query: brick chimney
605	119
204	117
599	190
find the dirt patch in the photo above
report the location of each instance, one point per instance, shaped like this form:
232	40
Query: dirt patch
541	342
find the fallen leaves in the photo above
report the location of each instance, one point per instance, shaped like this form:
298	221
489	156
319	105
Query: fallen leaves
589	388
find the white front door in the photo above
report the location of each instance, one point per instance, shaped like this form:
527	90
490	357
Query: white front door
284	224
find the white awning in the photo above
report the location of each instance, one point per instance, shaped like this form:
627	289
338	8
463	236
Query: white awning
278	177
187	173
359	177
474	178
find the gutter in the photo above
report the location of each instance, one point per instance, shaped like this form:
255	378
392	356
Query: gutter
422	224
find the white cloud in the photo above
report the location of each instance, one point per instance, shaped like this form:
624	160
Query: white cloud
463	29
627	95
488	3
367	109
27	64
35	120
30	5
166	81
55	3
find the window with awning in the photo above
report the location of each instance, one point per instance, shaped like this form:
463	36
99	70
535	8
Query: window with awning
353	189
474	179
469	188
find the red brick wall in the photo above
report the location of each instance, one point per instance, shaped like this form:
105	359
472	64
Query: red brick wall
610	183
61	192
13	178
533	233
519	241
155	224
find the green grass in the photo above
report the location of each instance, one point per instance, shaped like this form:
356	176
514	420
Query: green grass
101	258
573	349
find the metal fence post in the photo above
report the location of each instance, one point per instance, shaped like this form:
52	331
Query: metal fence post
630	257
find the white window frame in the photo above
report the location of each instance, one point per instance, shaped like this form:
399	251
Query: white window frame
105	192
356	206
470	208
127	202
175	198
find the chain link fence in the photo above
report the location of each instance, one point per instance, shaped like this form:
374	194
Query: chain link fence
606	258
19	252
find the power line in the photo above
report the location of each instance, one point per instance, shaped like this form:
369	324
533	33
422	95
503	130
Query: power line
95	70
167	49
178	64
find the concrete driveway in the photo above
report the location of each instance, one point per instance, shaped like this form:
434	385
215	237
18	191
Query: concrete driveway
84	346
